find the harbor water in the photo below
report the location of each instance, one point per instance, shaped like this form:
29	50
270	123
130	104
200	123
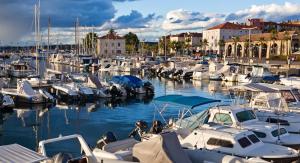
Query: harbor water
27	125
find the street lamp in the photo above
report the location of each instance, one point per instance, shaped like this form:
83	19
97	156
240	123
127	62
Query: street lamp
249	29
166	44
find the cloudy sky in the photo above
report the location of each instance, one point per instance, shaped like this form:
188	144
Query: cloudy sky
148	18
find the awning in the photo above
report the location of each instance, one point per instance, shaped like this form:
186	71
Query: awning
254	87
190	101
17	153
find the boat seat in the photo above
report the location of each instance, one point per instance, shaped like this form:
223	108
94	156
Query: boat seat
125	155
120	145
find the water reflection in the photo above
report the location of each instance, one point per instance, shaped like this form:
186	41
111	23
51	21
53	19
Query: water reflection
27	125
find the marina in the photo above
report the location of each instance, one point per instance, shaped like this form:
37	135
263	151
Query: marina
87	82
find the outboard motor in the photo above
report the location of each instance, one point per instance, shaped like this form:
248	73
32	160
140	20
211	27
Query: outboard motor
1	99
114	92
106	139
140	129
157	127
149	88
178	73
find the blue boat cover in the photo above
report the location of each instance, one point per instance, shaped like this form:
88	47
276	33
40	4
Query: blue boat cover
190	101
128	81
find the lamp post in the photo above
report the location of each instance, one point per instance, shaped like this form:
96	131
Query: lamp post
290	51
166	44
249	30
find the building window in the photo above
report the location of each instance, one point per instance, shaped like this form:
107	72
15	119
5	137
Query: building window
105	51
112	44
113	51
119	44
118	51
106	44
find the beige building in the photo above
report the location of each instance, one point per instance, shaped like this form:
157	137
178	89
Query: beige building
225	31
110	44
264	45
193	39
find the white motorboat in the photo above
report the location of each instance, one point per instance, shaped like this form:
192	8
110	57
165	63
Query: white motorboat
253	74
20	69
217	70
245	118
201	71
164	147
237	142
35	81
274	104
82	61
82	90
25	93
94	83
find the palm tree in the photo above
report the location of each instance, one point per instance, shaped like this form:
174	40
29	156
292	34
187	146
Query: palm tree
286	38
236	40
274	35
173	46
221	44
204	45
187	44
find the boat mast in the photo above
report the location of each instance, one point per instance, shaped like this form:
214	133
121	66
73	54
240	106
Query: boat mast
49	24
37	33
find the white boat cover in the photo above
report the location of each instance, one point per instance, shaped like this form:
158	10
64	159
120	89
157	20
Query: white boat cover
163	148
16	153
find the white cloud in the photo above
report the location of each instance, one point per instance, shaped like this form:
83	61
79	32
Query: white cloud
182	20
185	20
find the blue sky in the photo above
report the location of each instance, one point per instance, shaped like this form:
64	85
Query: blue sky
214	6
148	18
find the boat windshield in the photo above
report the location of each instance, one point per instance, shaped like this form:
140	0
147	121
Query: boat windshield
279	132
245	115
244	142
296	94
274	103
288	96
253	138
70	148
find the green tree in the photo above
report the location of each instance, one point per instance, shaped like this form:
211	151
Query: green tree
90	42
187	44
221	44
131	42
235	40
286	38
274	35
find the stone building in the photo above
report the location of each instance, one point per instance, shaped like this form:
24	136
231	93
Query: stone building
223	32
110	44
264	45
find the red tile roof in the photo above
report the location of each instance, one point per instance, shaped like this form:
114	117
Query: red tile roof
112	36
229	25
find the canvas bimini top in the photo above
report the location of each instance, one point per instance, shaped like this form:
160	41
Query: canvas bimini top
189	101
18	153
